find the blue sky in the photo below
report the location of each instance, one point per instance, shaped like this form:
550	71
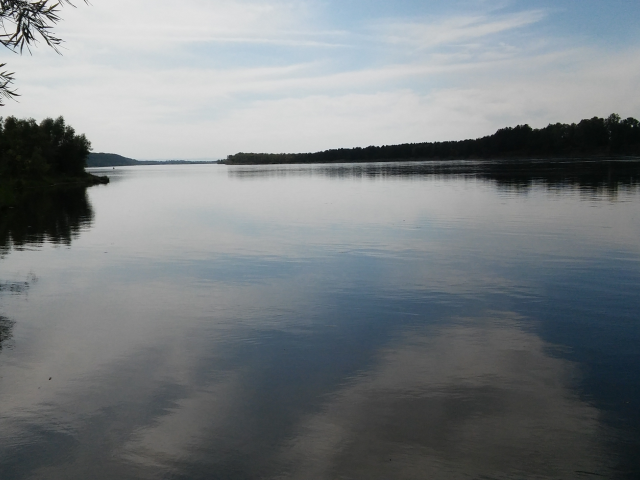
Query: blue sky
209	78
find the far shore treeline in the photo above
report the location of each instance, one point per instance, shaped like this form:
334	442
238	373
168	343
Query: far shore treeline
612	136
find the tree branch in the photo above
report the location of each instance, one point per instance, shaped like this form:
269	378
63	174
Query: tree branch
22	24
6	79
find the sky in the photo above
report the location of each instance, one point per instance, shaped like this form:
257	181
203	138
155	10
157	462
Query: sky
203	79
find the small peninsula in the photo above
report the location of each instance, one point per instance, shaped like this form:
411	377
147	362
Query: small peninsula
595	137
41	155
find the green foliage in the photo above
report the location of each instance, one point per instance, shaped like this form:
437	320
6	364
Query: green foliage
6	79
595	136
28	149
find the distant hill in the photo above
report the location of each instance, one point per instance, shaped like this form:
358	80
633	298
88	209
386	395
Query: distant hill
109	160
115	160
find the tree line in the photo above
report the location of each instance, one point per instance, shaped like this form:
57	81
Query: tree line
36	150
595	136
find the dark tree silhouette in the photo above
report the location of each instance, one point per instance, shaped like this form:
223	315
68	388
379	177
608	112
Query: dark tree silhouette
590	137
31	150
23	23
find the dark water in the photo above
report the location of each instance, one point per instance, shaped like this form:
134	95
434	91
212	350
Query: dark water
364	321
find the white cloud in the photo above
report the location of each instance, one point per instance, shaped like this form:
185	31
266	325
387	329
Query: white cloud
158	26
454	30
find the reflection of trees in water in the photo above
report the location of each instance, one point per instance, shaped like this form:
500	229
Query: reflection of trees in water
595	176
14	287
55	216
6	324
6	331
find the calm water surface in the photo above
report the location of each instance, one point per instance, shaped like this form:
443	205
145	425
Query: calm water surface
322	322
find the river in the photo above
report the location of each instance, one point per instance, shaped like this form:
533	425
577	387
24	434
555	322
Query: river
354	321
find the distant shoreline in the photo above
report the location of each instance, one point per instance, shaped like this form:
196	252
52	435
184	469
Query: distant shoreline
594	138
103	160
590	138
581	158
507	160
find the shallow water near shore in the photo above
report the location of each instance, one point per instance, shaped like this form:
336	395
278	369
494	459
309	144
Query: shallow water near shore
425	320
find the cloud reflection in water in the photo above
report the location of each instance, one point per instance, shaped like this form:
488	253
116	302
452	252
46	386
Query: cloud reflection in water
303	326
480	396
